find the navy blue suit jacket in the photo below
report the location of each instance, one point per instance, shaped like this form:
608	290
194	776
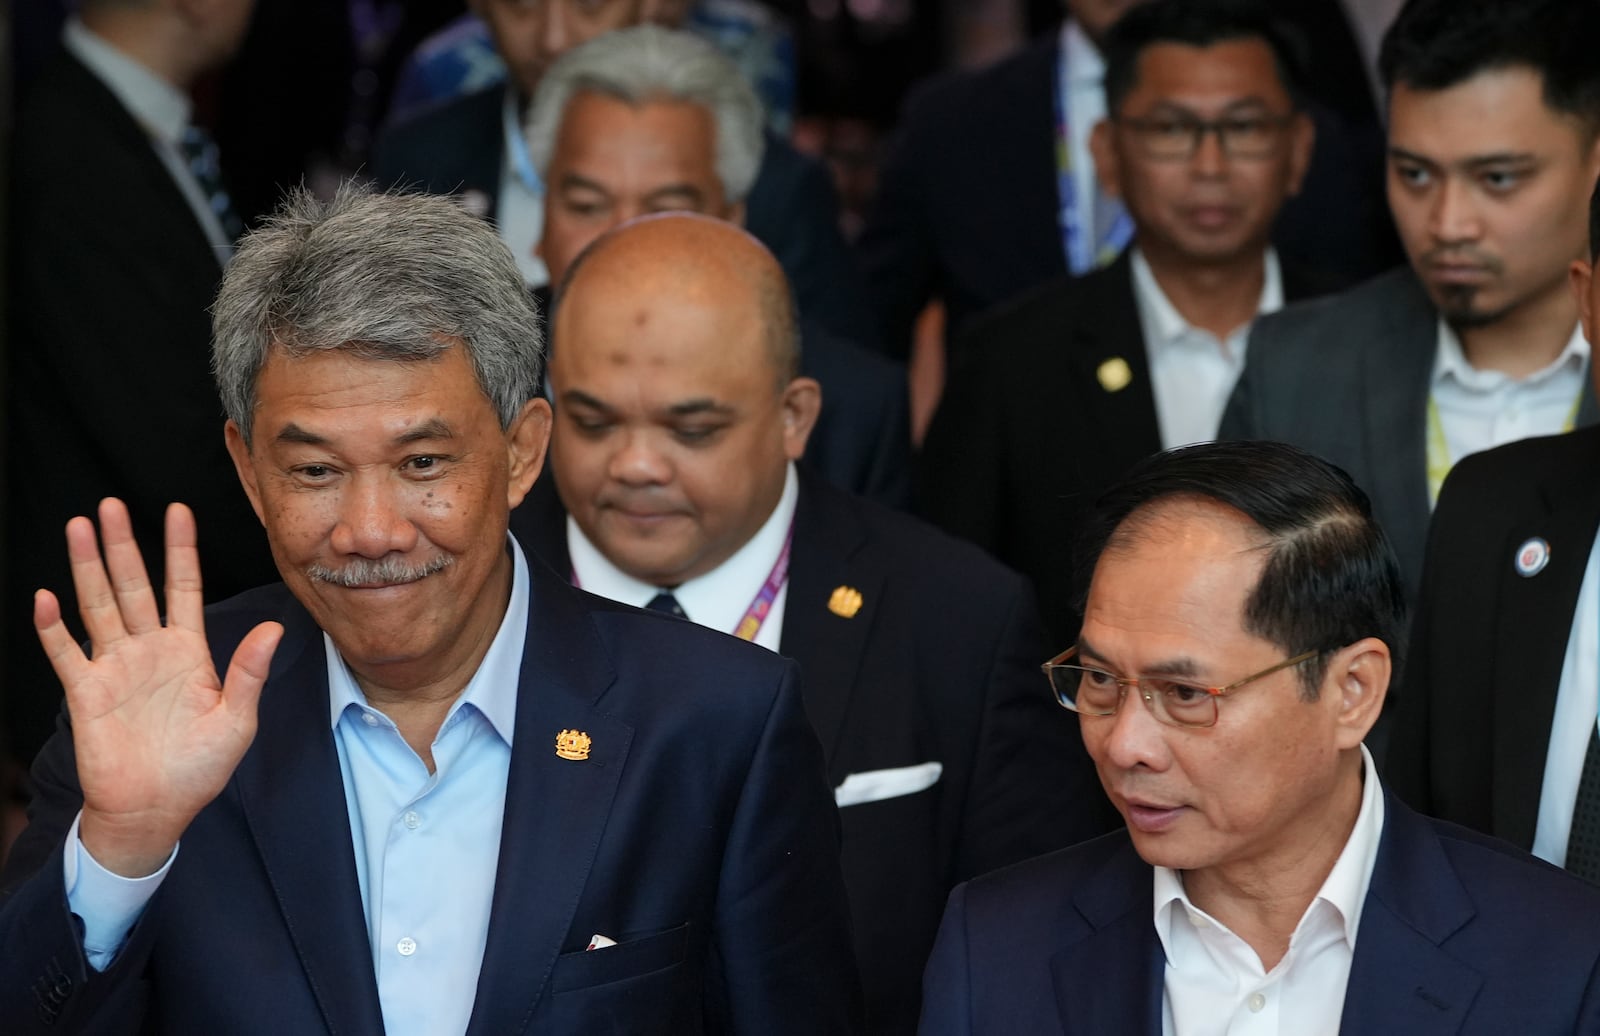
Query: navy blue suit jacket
1460	934
699	834
940	664
792	208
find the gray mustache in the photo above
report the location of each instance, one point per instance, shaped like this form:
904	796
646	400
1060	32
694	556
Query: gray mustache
383	572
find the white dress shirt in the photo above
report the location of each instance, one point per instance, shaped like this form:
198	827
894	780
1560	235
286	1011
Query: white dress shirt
1577	705
1481	409
519	212
720	598
426	845
160	108
1215	985
1192	371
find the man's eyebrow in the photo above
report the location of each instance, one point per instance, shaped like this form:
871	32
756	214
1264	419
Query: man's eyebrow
675	190
1172	667
571	180
433	428
293	433
1496	158
577	397
692	407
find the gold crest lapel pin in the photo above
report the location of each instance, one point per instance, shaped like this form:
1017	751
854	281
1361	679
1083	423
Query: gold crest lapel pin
572	744
1114	374
845	602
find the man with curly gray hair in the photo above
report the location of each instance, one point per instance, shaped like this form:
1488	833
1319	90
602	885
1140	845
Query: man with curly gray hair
437	789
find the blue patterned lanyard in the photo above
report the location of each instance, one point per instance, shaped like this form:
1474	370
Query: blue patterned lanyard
1083	253
517	146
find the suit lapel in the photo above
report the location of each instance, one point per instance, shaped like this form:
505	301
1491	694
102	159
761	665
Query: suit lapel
827	556
1535	619
1396	372
556	808
1400	978
1122	944
1111	361
291	793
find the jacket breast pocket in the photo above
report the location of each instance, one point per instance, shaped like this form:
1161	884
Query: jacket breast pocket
629	959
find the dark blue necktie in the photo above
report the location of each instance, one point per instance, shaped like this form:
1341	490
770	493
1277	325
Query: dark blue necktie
665	602
205	165
1583	844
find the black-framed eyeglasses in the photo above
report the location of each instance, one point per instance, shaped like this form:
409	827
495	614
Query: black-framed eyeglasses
1090	691
1176	137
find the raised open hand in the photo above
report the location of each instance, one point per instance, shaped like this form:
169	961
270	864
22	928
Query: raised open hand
156	734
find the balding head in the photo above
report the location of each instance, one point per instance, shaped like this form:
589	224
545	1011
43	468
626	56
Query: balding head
677	409
706	261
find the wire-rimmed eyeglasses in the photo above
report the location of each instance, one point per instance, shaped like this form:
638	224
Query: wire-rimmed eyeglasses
1094	692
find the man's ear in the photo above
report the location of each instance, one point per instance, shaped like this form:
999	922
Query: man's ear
1358	676
527	442
239	450
802	402
1107	170
1302	142
1580	278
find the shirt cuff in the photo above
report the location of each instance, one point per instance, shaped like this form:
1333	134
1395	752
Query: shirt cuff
107	904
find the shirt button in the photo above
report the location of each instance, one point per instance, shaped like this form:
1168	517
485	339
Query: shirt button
407	946
1256	1002
369	719
412	819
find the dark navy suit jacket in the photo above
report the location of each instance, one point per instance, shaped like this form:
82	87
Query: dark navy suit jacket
1460	934
699	834
939	665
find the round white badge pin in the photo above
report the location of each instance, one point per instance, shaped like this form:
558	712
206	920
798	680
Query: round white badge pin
1532	556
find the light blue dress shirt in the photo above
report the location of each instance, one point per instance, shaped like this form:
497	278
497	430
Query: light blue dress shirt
426	845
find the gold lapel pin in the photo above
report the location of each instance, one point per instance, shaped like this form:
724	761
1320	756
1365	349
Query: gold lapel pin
572	744
1114	374
845	602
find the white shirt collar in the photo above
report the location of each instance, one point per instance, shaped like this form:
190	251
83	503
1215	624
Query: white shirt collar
159	106
1164	325
1084	63
492	689
1450	362
1344	889
718	599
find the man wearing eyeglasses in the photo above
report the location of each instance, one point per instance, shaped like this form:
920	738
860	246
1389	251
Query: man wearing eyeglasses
1076	382
1242	621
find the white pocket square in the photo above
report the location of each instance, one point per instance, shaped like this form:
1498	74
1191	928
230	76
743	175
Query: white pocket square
877	785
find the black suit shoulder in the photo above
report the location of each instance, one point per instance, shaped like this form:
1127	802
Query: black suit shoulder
970	100
1497	480
1368	308
455	145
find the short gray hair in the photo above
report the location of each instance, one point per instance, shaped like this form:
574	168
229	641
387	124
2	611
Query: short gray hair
648	63
388	276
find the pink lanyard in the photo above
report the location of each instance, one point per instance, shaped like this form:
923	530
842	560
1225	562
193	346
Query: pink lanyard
761	605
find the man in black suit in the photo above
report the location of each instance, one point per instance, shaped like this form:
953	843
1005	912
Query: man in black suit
115	248
974	196
472	146
1495	725
647	119
679	416
1072	384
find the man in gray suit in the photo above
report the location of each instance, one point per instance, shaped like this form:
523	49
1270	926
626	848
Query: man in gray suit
1494	145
